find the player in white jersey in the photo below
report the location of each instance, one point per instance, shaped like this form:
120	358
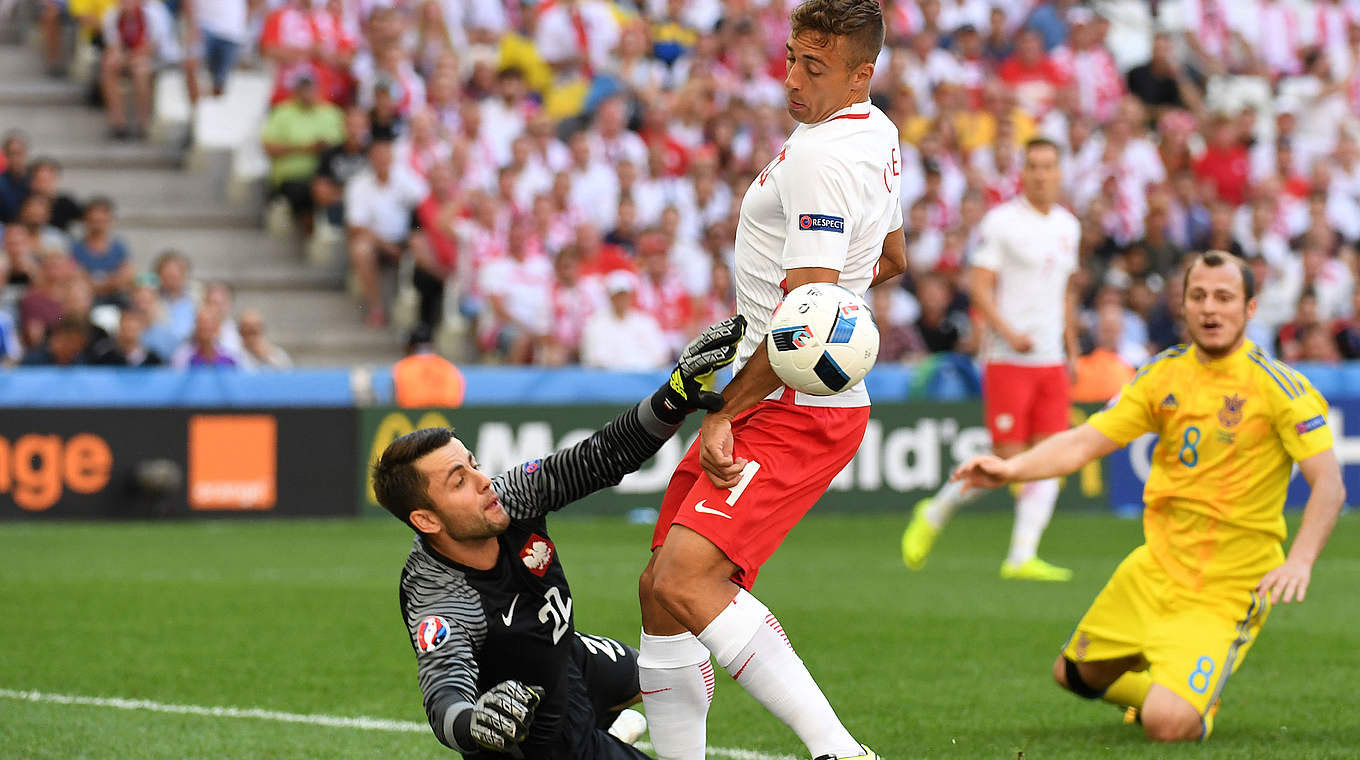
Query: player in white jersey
1021	288
825	209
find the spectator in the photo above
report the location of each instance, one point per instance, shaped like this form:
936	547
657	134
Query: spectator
1102	372
518	289
11	342
719	302
1347	330
218	296
65	346
203	349
222	28
45	181
21	255
895	313
942	327
138	36
1089	65
1224	163
103	256
576	36
621	336
295	136
573	301
661	294
35	213
435	248
1289	342
378	206
339	164
173	290
40	308
257	351
1315	344
1162	83
126	348
158	336
1032	74
424	379
14	178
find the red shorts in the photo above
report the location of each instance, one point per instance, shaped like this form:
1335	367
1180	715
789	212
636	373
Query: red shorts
1023	402
793	454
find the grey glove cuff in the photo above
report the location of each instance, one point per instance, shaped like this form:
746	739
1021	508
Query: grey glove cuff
458	727
657	417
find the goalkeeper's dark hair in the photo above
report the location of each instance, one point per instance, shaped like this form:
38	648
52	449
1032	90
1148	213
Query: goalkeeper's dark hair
1219	259
859	21
401	488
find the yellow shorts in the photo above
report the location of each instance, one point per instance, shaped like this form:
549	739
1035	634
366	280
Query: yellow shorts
1191	640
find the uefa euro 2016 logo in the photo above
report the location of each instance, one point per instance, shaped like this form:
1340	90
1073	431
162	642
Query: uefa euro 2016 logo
431	633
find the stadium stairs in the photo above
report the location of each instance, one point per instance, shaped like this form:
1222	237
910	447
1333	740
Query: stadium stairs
165	200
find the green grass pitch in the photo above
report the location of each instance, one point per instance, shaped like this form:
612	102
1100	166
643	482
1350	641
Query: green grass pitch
301	617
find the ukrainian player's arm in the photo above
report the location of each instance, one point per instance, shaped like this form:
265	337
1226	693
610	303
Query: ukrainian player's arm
755	381
1062	454
1290	580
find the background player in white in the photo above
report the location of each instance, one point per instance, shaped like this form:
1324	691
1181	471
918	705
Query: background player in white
1021	289
825	209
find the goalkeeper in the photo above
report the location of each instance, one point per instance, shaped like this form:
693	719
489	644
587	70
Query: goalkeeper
483	593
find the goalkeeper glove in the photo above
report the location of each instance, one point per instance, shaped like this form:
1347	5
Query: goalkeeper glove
502	715
690	386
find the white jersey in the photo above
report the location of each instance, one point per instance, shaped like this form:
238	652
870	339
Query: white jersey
1033	255
827	200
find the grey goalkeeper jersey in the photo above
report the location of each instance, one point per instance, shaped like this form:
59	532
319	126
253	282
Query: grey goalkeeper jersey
472	629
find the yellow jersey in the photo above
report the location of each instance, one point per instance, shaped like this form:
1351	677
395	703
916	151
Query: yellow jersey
1230	429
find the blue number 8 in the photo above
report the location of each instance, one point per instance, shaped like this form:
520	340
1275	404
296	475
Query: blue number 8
1188	445
1199	677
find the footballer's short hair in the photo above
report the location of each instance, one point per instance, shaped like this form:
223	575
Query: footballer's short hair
859	21
1219	259
400	487
1042	142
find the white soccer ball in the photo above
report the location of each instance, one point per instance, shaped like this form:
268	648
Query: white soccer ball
822	339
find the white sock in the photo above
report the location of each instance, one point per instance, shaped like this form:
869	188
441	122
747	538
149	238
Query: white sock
677	687
1032	512
748	641
948	501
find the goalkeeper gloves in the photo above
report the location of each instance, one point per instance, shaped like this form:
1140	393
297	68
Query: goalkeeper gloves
502	715
690	386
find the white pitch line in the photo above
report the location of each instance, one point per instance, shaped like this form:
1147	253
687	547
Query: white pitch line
333	721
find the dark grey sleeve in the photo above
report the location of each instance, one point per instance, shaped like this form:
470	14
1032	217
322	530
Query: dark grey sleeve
535	488
447	626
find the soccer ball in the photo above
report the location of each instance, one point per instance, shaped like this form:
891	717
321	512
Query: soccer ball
822	339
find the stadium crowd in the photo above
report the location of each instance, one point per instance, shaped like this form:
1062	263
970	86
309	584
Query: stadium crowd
565	175
69	294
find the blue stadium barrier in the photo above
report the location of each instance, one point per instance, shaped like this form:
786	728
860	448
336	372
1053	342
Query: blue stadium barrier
943	378
115	387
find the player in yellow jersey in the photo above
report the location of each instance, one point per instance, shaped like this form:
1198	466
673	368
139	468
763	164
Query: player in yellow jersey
1181	611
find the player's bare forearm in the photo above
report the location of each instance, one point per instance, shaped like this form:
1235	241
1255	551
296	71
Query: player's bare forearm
1328	495
1062	454
1289	582
755	381
893	260
1070	322
982	290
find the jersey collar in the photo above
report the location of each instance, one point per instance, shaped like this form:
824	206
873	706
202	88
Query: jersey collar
858	110
1228	362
